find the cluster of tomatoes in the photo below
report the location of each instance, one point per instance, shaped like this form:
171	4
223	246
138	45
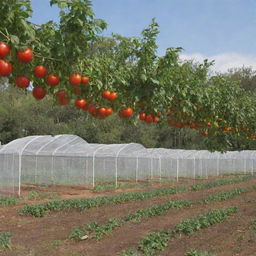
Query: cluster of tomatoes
5	66
77	81
62	97
148	118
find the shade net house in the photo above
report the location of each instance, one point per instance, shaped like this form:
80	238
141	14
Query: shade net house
70	160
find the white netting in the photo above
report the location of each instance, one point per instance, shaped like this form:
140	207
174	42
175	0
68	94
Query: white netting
70	160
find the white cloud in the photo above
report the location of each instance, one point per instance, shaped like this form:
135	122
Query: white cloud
223	61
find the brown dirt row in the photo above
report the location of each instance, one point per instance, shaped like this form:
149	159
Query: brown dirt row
36	235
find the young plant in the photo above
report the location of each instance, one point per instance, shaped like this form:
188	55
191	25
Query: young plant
5	241
157	241
7	200
194	252
226	195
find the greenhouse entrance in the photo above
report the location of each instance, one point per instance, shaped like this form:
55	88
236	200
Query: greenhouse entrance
70	160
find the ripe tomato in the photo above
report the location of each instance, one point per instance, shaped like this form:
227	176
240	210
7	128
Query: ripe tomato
208	124
149	119
52	80
112	96
109	111
62	97
178	125
127	112
204	133
85	107
92	109
142	116
102	111
156	119
80	103
22	81
106	94
121	113
4	49
25	56
85	79
40	71
75	79
39	92
5	68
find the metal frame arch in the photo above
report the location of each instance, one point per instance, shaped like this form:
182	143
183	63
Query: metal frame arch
20	159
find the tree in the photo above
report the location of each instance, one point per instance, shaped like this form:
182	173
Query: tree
163	89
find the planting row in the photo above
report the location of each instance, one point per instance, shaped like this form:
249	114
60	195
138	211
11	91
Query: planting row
96	231
82	204
158	241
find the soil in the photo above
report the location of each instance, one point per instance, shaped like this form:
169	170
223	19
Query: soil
49	235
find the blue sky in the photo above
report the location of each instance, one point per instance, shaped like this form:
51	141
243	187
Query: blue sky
224	30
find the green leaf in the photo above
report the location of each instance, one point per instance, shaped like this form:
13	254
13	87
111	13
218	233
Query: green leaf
14	39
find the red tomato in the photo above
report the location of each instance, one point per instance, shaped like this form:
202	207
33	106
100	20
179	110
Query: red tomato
22	81
52	80
204	133
75	79
39	92
80	103
121	114
142	116
85	79
25	56
62	97
4	49
112	96
127	112
109	111
40	71
106	94
149	119
85	107
91	109
208	124
102	111
156	119
5	68
178	125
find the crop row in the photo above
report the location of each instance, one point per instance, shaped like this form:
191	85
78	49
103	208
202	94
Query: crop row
97	231
226	195
194	252
220	182
8	200
158	241
39	210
